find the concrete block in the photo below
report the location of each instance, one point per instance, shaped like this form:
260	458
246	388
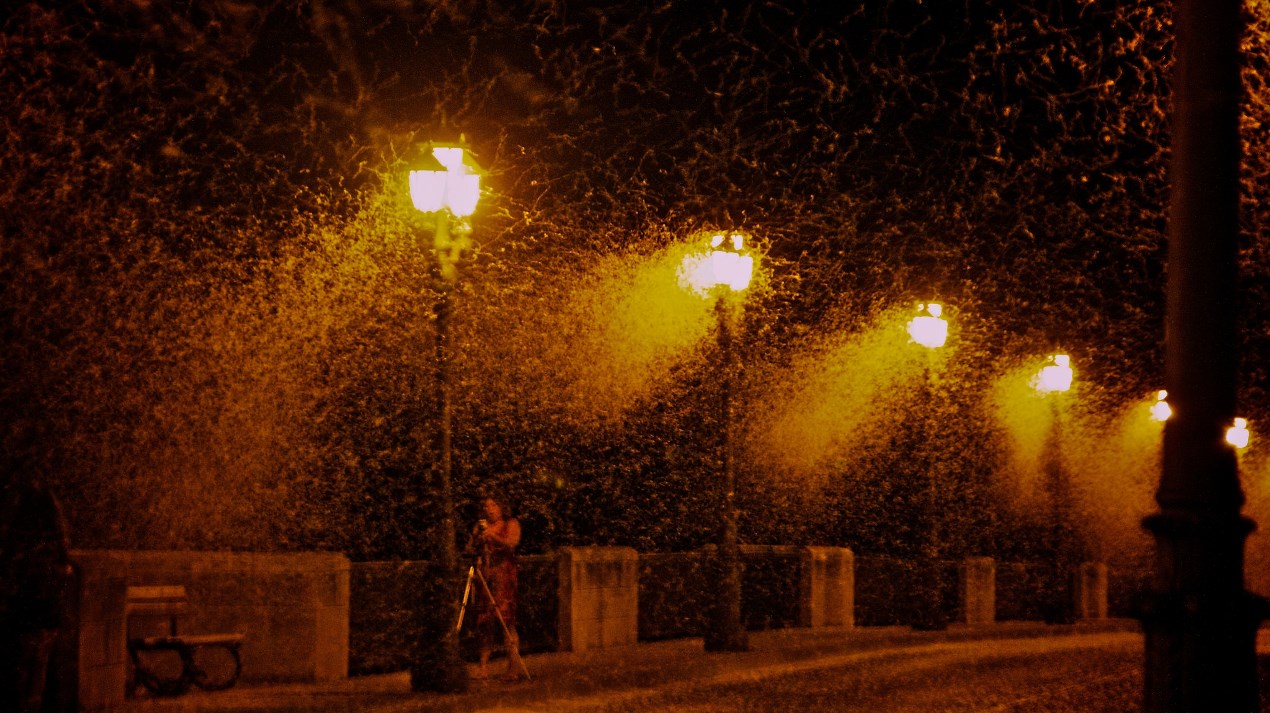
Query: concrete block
331	661
977	591
1090	592
827	587
598	597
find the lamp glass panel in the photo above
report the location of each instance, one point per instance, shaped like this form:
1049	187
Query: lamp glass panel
462	192
1237	436
1054	378
928	331
428	189
731	269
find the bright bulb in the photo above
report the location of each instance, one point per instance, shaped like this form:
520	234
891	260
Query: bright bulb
1056	376
719	267
928	329
1160	410
453	183
1238	435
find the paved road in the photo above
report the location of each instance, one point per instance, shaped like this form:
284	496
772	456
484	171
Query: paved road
1075	673
1000	669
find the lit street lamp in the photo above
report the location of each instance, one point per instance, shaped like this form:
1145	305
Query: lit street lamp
1160	410
719	274
1052	382
1238	435
930	330
446	187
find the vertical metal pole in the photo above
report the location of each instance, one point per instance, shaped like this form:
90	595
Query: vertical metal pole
933	618
1200	622
446	550
439	667
1061	608
728	630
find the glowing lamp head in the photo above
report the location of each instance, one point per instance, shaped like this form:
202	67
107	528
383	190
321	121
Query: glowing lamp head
1160	410
1055	376
1238	435
928	328
449	179
726	265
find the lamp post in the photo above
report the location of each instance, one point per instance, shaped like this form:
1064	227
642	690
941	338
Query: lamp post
719	274
1200	622
1052	382
446	187
930	330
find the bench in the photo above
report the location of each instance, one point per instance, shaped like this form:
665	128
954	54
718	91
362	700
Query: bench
209	661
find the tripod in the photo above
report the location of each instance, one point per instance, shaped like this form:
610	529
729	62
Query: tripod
474	574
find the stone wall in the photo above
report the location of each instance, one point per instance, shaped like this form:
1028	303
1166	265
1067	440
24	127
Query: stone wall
293	609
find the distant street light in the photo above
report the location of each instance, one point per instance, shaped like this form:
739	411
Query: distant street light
721	273
1160	410
1237	435
446	186
930	330
1052	382
1055	377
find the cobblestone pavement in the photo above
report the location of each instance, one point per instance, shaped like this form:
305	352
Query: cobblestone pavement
673	675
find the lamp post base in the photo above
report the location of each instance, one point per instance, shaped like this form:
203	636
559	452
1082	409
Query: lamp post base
440	669
726	630
1199	622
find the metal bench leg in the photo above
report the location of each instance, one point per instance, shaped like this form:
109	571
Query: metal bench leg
200	678
157	685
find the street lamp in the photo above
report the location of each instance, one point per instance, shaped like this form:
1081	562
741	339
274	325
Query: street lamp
1052	381
445	187
1237	435
1160	410
1056	376
930	330
725	270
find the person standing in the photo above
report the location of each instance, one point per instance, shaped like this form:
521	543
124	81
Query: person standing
496	537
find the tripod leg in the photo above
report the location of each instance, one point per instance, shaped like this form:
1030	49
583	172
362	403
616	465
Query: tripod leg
507	632
467	591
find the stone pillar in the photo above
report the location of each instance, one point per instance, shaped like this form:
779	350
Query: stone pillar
1091	591
599	597
978	590
828	587
97	647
